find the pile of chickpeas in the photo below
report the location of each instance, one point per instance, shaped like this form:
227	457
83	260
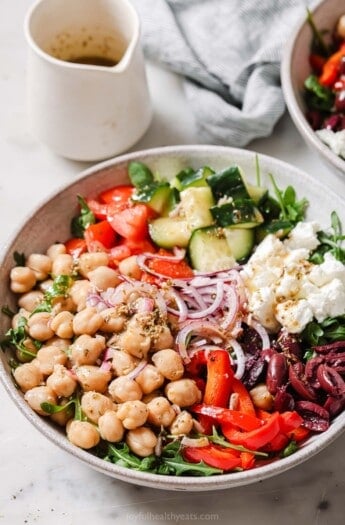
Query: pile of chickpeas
116	406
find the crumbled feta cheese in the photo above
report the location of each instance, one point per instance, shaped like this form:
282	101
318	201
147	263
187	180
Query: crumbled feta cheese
303	236
294	315
335	140
285	289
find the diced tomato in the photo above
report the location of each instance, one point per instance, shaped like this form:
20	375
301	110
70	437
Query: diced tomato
119	195
100	233
76	247
214	456
254	439
173	269
98	209
140	246
148	278
130	223
317	62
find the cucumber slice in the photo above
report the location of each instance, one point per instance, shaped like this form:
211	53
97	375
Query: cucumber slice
156	195
257	193
240	241
195	206
189	177
228	183
238	214
167	232
209	250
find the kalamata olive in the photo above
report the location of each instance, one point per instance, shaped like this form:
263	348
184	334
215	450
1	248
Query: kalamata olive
330	380
315	417
337	346
290	345
299	383
310	370
336	361
254	368
332	122
283	400
339	100
314	118
276	372
334	405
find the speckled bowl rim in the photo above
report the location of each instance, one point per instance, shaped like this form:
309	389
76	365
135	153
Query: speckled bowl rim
187	483
293	106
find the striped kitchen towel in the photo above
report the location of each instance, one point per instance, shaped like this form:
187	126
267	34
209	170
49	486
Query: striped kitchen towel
228	52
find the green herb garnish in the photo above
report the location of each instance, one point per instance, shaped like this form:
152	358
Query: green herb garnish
330	242
58	289
17	337
317	96
19	258
83	220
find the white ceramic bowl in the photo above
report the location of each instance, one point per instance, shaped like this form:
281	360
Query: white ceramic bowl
57	211
295	69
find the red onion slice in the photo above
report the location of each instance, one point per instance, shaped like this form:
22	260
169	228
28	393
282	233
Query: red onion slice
266	343
232	305
240	358
201	328
214	306
136	371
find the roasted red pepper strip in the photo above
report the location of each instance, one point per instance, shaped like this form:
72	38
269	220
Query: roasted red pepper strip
247	460
173	269
220	376
245	403
331	67
254	439
214	456
235	418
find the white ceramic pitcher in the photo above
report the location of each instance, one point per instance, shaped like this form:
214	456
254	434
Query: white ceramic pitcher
86	111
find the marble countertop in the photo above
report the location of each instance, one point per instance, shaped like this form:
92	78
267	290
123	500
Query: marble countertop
39	483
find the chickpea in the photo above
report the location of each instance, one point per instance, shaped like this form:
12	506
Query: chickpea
63	304
87	321
61	381
182	424
62	417
261	397
124	389
133	414
123	363
45	285
56	249
104	277
23	279
82	434
40	264
79	292
141	441
148	397
90	261
110	427
112	321
161	413
63	264
63	344
94	405
86	349
169	363
28	376
38	395
93	378
129	267
340	29
183	392
49	356
62	325
149	379
39	326
30	300
134	342
163	338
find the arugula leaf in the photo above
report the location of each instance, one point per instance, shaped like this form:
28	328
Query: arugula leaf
330	330
17	336
291	448
59	288
19	258
317	96
169	462
330	242
140	175
80	222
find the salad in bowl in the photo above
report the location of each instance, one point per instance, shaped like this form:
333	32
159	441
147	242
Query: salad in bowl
186	322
